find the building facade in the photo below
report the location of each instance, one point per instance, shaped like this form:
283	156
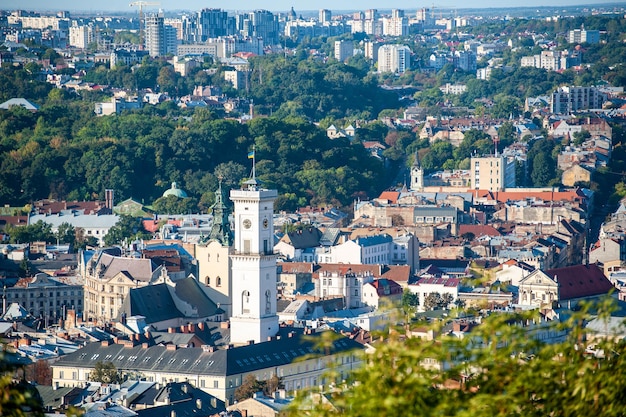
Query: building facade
47	297
394	58
292	358
493	173
254	290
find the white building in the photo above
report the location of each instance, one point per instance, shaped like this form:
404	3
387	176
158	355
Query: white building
95	225
442	286
343	50
363	250
254	291
571	99
396	25
82	36
583	36
394	58
349	286
155	34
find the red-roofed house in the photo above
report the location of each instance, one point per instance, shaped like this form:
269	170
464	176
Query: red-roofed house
382	292
563	285
391	197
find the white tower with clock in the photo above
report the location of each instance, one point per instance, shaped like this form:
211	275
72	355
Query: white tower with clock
253	265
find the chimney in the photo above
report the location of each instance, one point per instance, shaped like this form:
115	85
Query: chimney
191	327
199	404
171	346
201	325
105	343
147	335
250	342
225	325
171	330
230	346
144	345
213	402
173	413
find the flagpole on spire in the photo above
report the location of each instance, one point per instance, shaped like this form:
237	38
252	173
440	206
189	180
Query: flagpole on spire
252	181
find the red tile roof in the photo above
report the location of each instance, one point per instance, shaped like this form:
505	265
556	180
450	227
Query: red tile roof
386	287
478	230
391	196
580	281
504	196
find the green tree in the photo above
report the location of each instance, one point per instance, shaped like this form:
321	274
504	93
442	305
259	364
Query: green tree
249	386
499	369
410	301
105	372
127	227
66	233
18	398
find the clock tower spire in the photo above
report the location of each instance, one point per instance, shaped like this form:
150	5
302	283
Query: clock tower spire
253	264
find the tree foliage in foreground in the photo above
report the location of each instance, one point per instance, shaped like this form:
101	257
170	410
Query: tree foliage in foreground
105	372
501	369
17	397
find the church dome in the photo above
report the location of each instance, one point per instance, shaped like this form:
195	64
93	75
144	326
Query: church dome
175	191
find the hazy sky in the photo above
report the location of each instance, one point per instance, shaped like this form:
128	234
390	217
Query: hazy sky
279	5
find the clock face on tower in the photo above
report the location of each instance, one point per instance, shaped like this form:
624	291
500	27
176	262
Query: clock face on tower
265	223
246	224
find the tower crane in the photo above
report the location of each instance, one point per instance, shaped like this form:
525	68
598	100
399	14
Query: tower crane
140	5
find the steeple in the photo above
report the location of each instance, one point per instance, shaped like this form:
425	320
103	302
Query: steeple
220	231
417	175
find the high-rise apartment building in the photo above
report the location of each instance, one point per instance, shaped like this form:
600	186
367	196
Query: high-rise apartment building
343	50
394	58
82	36
583	36
155	34
213	23
566	100
259	24
325	16
397	24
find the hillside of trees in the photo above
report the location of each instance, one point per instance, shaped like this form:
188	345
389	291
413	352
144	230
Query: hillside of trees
64	151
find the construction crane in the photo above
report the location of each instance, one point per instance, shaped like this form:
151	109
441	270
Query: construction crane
141	5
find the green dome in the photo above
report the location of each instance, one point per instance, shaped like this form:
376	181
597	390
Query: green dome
175	191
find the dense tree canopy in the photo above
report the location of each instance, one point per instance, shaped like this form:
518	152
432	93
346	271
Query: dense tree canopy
503	367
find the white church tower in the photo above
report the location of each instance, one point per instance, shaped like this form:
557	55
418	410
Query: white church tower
417	175
253	264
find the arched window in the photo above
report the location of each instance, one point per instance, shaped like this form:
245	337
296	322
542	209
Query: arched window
245	302
219	281
207	280
268	302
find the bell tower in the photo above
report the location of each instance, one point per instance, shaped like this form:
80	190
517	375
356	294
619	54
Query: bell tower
253	265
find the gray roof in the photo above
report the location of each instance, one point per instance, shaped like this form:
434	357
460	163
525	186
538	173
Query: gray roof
223	362
181	398
84	221
138	269
19	102
330	236
156	304
189	290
